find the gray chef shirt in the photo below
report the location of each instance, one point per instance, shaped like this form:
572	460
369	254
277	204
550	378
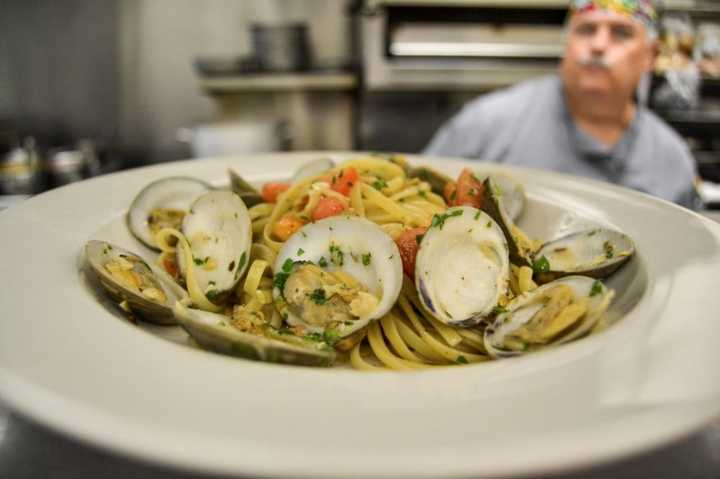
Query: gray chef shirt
529	125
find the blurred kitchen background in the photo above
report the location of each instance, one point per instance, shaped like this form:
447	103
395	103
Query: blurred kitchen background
91	87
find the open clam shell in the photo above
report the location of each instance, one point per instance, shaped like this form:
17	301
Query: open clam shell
162	203
315	267
219	232
540	319
146	289
511	193
247	192
520	246
462	266
597	252
216	333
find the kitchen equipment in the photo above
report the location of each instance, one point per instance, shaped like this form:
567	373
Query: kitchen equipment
230	138
67	165
281	47
20	169
458	45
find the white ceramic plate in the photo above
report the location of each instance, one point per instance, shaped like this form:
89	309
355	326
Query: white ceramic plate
67	362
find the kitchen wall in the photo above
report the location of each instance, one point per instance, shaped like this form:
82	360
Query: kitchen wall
122	70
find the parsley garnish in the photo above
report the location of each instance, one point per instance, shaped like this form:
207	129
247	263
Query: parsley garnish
300	252
318	296
477	215
323	262
212	294
499	310
379	184
243	258
596	289
199	261
439	220
331	336
609	249
541	265
282	276
314	337
337	257
419	238
366	258
462	359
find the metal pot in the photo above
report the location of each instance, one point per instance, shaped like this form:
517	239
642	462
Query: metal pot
283	47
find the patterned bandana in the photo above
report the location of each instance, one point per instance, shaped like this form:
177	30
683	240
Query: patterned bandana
642	10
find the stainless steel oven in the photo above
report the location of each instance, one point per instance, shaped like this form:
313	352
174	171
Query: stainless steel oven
458	44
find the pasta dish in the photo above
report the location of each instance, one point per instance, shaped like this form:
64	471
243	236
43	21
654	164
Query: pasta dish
373	262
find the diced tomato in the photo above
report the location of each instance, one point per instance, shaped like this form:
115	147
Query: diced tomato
270	191
408	243
327	207
171	266
286	226
469	190
343	181
449	192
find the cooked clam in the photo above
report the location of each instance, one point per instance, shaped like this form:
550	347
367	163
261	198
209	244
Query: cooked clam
462	267
247	192
219	333
334	276
552	314
162	204
521	247
219	235
144	288
598	253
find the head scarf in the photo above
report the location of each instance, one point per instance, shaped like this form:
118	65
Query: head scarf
642	10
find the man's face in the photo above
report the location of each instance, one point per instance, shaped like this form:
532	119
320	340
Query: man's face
606	54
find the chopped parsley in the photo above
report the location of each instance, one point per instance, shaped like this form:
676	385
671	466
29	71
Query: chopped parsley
300	252
499	310
379	184
212	294
199	261
318	296
366	258
423	194
282	276
541	265
419	238
243	258
488	225
331	336
337	257
609	249
462	359
596	289
323	262
477	215
439	220
314	337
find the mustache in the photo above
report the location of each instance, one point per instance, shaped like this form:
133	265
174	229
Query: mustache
595	61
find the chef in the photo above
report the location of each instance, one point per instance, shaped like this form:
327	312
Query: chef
585	120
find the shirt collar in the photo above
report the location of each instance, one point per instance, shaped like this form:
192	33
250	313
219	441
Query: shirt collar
613	158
